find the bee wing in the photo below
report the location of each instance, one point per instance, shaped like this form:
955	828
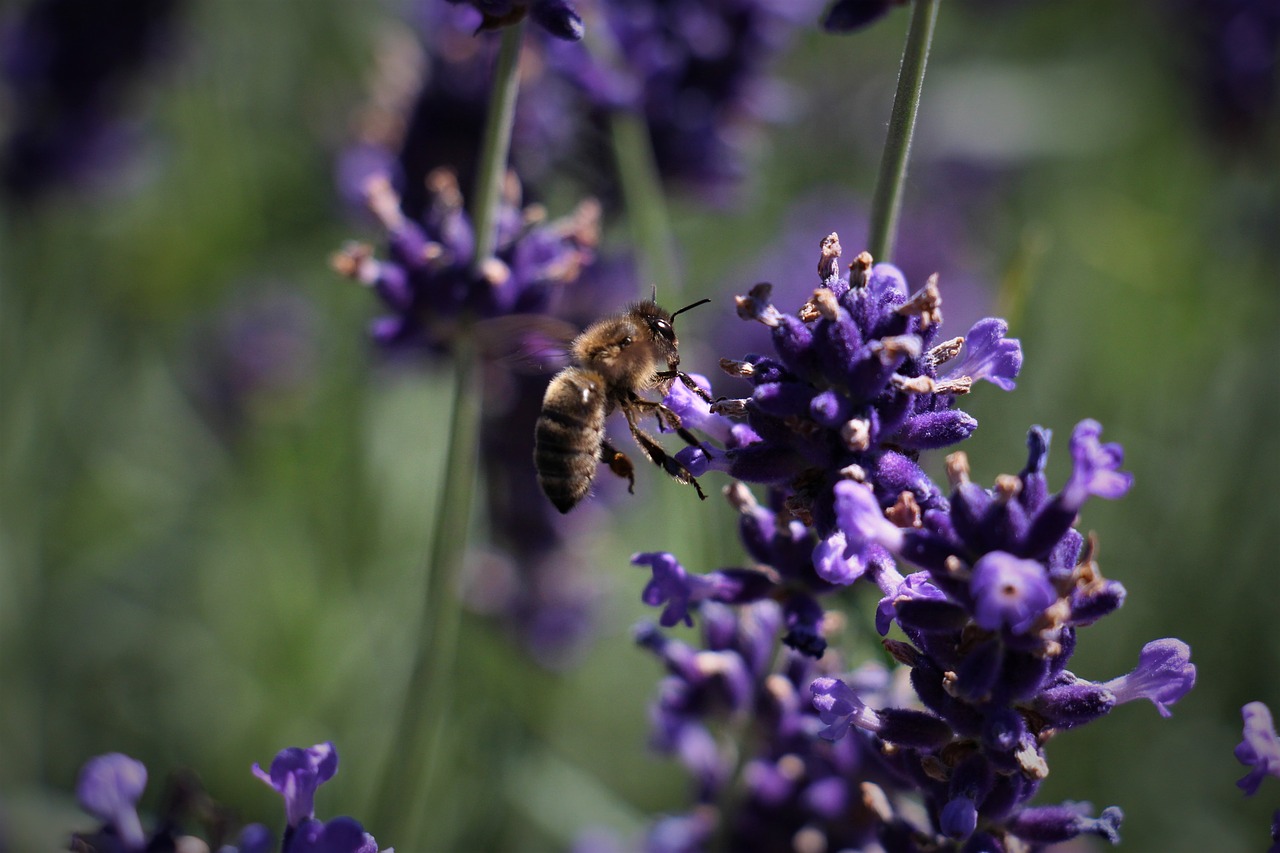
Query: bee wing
527	343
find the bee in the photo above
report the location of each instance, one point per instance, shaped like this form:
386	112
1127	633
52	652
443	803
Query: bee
611	362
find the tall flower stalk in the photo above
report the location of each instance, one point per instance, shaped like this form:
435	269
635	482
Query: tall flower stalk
887	201
411	764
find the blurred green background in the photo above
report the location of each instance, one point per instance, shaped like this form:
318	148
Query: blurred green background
200	586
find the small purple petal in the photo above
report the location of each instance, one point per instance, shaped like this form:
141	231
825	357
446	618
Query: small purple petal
1095	467
959	818
860	518
1260	748
832	564
109	788
838	707
935	430
990	355
296	773
1009	592
1164	675
1051	824
671	585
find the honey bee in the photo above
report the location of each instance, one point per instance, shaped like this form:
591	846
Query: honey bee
611	361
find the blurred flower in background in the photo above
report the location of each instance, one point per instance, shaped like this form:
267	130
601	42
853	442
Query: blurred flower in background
1234	49
255	359
699	73
72	72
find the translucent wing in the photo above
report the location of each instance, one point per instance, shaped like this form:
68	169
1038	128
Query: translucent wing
526	343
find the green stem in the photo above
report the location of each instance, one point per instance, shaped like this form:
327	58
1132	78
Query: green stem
646	204
887	202
414	752
496	144
414	755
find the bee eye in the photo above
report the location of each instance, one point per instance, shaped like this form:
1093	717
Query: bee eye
625	342
663	328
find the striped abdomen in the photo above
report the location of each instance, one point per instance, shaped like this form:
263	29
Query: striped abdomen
568	436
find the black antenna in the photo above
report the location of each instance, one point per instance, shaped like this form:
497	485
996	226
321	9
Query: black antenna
654	298
694	305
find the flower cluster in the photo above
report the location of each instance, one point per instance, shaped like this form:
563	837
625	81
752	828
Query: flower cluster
854	391
697	71
111	785
836	419
429	281
796	786
1260	752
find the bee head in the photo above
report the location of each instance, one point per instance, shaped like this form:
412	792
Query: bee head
661	326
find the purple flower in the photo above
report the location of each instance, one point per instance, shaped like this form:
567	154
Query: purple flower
852	390
109	789
340	835
1260	748
1164	675
696	71
839	707
557	17
680	591
427	283
989	355
1095	467
69	66
1051	824
296	773
1009	592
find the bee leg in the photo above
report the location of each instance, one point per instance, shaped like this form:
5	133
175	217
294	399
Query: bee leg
654	452
619	464
667	420
688	382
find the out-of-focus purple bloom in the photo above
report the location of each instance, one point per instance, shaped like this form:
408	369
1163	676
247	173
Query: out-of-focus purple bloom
1234	45
69	66
1164	675
296	773
696	71
255	358
254	838
791	781
557	17
109	789
1260	748
427	282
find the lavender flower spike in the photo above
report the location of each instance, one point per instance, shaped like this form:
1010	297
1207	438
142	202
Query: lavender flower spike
109	789
296	773
1260	749
1164	675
